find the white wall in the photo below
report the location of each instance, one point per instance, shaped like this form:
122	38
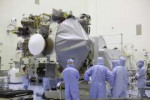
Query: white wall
122	15
16	8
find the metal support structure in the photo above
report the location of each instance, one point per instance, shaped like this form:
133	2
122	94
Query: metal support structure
121	42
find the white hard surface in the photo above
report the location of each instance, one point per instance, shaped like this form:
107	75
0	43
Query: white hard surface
36	44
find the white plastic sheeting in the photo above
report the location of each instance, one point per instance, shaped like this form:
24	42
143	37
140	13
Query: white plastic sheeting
72	42
101	42
109	55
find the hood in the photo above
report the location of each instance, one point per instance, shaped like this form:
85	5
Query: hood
115	63
100	61
140	63
70	63
122	61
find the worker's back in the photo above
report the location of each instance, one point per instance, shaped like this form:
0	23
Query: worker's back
99	73
120	82
122	75
70	76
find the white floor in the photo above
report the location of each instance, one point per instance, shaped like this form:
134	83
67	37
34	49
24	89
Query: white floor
39	90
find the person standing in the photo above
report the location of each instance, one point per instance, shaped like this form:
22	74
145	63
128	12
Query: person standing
141	78
120	76
99	75
71	77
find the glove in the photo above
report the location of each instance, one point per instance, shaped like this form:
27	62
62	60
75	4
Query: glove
137	75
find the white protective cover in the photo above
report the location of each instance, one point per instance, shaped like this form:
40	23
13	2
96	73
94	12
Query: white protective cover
36	44
14	75
101	42
109	56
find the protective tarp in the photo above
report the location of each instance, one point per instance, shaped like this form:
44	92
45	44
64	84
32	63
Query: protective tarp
102	42
109	56
72	42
